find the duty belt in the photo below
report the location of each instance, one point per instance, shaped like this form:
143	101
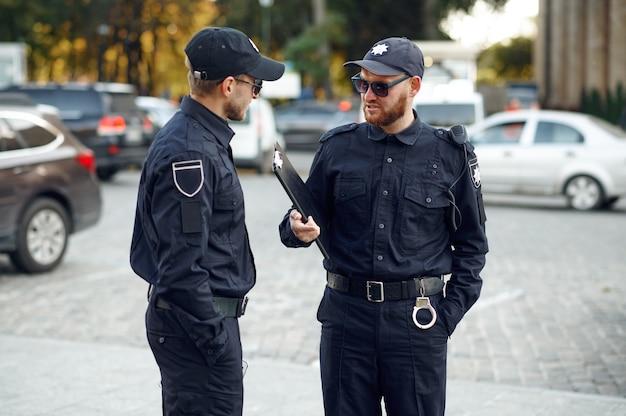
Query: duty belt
375	291
229	307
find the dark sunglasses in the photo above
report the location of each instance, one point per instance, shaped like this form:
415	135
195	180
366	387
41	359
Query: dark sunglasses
380	89
256	85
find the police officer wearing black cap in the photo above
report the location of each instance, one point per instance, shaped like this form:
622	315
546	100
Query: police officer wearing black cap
190	240
403	207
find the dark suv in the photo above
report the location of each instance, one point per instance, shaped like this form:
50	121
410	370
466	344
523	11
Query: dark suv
48	187
103	116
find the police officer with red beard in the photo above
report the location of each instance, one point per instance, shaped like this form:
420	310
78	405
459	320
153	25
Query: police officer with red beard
402	206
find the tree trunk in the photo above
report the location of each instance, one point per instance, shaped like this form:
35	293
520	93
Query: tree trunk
319	19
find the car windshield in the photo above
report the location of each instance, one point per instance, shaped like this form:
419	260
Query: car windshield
446	115
608	127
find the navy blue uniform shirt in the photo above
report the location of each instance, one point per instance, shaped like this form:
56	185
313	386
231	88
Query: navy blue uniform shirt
189	238
400	206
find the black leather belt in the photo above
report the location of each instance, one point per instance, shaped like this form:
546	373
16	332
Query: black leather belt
229	307
375	291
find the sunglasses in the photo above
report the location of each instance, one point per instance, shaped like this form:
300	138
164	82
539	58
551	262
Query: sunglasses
256	85
380	89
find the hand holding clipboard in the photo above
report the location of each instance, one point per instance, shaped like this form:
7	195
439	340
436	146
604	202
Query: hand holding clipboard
299	194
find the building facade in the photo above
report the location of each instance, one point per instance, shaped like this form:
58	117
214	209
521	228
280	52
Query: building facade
581	47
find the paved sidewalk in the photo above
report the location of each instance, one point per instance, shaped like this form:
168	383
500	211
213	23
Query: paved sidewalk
50	377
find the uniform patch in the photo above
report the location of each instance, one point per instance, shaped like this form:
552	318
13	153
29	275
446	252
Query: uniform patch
188	176
191	216
474	172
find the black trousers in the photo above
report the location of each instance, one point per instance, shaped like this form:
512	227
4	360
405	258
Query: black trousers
190	385
370	351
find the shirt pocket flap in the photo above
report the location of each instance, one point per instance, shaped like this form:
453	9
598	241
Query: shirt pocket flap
347	189
427	196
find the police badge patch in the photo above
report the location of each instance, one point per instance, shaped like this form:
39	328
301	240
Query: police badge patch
474	172
188	177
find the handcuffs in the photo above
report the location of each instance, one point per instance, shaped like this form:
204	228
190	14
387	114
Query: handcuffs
423	302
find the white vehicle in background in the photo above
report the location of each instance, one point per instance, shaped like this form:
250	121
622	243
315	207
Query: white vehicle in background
12	63
159	110
255	135
448	104
540	152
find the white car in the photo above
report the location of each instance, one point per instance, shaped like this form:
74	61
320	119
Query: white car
255	135
159	110
466	109
537	152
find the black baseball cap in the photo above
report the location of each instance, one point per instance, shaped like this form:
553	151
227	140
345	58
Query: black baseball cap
218	52
393	56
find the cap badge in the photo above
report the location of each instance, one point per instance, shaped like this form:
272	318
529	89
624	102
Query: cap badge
380	49
253	45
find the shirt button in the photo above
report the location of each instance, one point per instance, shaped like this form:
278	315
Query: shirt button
379	258
429	200
381	226
161	340
434	166
389	160
385	192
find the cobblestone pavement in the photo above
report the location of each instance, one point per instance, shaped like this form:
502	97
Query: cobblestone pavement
552	313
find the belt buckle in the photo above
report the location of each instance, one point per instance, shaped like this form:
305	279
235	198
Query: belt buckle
369	285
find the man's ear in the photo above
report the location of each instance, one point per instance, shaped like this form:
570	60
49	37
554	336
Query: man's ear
416	84
227	86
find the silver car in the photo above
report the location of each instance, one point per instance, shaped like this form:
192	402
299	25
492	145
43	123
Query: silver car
540	152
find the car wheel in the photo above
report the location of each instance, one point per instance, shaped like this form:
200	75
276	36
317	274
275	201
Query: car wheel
584	193
41	236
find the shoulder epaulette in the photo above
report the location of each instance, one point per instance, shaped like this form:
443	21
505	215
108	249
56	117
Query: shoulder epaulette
338	130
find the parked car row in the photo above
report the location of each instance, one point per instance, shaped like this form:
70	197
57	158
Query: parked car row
103	116
303	122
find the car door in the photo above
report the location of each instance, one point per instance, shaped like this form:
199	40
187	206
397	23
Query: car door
9	182
497	145
553	144
26	145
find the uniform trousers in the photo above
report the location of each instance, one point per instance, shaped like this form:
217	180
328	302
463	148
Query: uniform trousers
371	352
191	382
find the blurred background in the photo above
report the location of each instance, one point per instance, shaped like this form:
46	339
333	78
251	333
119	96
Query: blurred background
86	84
531	43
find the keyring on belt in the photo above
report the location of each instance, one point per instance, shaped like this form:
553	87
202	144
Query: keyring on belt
423	302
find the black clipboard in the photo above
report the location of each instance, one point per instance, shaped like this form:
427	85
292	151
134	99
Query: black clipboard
299	194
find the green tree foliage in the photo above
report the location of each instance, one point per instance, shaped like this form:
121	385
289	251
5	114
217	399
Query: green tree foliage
510	61
135	41
372	20
142	41
610	105
350	28
307	53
